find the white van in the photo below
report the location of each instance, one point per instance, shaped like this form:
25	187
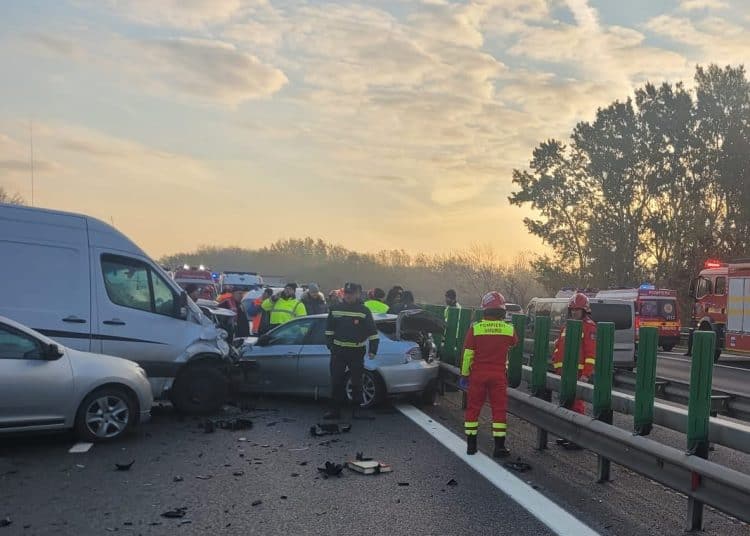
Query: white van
621	313
85	284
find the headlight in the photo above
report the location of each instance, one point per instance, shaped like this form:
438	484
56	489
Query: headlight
412	354
140	371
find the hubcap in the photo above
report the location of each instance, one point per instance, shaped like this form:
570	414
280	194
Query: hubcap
107	416
368	389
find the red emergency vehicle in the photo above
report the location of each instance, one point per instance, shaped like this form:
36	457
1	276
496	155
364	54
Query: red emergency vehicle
654	307
200	276
721	294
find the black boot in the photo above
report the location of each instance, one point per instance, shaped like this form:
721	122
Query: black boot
500	450
471	444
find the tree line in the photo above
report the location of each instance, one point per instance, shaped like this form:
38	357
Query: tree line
471	273
648	190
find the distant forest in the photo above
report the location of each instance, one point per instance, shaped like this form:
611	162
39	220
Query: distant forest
472	272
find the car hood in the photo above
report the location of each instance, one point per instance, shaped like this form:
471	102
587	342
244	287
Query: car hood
418	320
87	361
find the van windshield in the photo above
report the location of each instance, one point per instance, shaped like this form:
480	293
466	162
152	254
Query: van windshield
666	309
621	315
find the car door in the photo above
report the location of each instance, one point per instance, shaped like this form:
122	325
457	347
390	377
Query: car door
136	314
274	358
315	362
34	391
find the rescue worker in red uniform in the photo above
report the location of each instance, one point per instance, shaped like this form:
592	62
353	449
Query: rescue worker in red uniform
484	369
579	308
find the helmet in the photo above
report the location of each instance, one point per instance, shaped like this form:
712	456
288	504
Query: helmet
579	301
493	300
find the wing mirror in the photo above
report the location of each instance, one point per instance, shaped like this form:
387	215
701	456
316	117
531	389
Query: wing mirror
52	352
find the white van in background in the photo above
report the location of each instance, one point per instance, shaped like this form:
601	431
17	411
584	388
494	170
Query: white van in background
81	282
620	312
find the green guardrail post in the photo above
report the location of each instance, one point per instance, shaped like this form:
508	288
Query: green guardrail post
450	342
569	379
699	410
515	356
464	323
645	383
605	349
539	367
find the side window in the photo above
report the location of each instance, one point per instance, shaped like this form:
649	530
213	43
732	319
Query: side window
291	333
132	283
17	345
163	296
705	287
318	333
721	286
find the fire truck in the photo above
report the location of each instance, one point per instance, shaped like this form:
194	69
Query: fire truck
721	295
654	307
197	275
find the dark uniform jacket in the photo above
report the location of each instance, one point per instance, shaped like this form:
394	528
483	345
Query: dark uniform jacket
351	326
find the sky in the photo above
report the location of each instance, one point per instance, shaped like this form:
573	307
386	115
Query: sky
387	124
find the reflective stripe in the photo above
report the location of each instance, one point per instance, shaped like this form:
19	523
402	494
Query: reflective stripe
590	361
499	426
557	365
468	360
373	338
345	344
471	424
580	367
499	434
338	314
472	432
493	327
330	333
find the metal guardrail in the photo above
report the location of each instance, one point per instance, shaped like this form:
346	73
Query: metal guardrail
735	405
701	480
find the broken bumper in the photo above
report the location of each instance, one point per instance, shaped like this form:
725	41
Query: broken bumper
410	377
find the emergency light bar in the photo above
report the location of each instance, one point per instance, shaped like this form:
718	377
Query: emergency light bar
713	263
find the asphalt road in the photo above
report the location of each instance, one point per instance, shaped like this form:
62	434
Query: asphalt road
218	477
731	373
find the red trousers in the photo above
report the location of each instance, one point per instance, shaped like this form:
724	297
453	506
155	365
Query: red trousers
578	405
484	382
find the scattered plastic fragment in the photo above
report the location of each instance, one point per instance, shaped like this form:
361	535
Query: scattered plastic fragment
124	466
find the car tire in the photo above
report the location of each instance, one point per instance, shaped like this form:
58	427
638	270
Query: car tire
105	415
199	389
373	389
667	347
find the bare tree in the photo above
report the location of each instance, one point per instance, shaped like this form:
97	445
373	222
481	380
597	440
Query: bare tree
11	199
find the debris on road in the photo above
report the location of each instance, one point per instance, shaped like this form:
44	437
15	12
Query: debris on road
257	503
124	466
325	429
403	484
238	473
209	426
177	513
5	522
331	469
452	483
178	479
80	448
369	467
518	466
204	477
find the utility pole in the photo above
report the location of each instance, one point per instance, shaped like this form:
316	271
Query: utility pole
31	145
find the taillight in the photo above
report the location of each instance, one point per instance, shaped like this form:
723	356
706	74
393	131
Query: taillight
637	328
413	354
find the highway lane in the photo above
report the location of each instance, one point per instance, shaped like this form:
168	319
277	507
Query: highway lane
730	374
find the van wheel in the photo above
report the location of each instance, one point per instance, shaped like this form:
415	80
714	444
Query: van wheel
667	347
105	415
199	389
373	389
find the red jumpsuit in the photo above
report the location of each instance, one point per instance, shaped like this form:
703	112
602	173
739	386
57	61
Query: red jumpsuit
484	362
587	358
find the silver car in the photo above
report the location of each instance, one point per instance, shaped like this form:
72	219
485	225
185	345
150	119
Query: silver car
294	359
46	386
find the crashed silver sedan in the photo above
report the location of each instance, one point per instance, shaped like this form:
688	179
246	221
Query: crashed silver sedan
294	359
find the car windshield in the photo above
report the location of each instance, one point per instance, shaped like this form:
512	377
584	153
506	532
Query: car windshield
665	309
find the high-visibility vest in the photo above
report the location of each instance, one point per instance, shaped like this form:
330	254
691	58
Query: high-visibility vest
283	310
377	307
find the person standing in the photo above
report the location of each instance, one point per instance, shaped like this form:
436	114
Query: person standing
484	372
376	303
406	303
313	300
579	308
241	322
350	333
284	307
394	296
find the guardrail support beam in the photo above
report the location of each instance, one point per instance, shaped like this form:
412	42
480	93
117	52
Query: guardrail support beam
605	349
645	386
539	366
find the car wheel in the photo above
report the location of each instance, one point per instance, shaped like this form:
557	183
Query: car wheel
199	389
105	415
373	389
667	347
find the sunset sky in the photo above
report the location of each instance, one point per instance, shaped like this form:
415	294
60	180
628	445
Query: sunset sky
380	124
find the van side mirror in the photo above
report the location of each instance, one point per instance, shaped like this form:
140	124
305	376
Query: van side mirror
51	352
181	306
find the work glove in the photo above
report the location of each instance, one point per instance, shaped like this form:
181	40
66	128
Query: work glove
463	382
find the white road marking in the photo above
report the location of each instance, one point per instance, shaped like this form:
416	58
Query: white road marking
552	515
80	448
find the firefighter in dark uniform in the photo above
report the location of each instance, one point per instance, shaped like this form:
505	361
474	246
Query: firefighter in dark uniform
350	333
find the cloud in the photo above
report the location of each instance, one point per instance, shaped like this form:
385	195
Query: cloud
175	13
211	69
693	5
